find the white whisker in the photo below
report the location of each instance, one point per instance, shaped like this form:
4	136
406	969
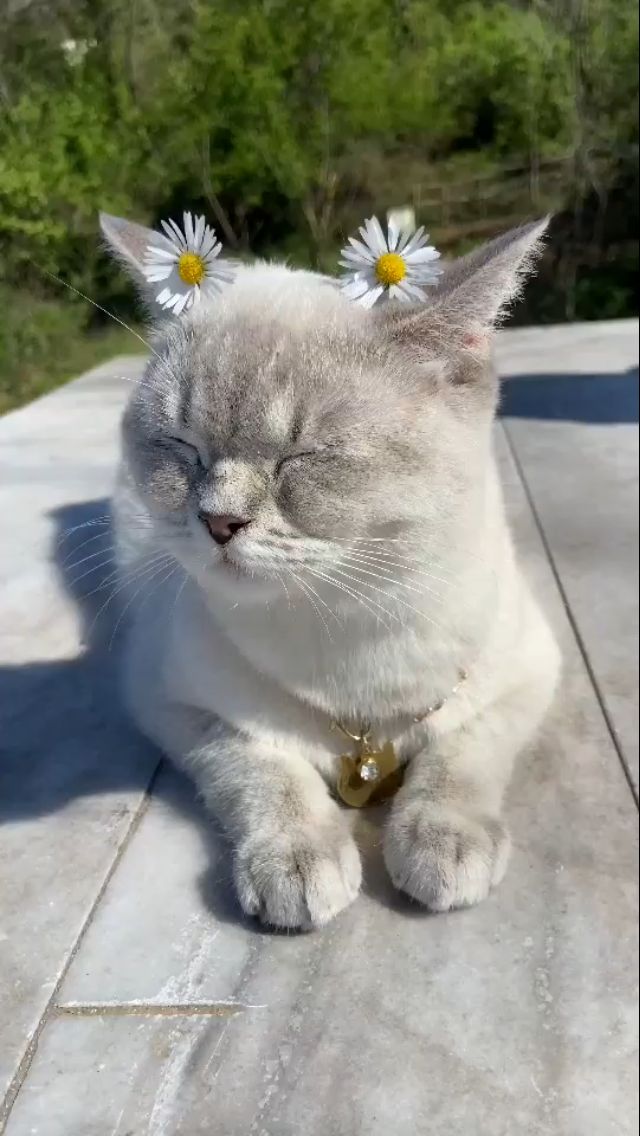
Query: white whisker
109	559
117	574
75	528
320	600
166	383
89	540
151	570
90	556
314	605
356	596
180	589
99	307
394	556
285	589
131	599
385	592
356	563
387	560
376	542
313	596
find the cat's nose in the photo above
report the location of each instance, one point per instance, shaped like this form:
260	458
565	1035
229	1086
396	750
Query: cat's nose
223	526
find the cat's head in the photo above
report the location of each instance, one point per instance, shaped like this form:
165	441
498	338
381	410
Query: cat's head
279	422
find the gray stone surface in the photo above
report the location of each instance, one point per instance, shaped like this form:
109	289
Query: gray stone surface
583	479
604	347
72	772
176	1017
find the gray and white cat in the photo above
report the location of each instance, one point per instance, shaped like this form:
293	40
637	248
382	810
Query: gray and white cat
324	476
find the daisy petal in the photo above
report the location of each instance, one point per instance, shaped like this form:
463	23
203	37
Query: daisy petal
160	254
418	239
174	234
221	275
366	241
199	234
377	238
411	240
353	289
403	295
422	254
212	286
212	254
162	243
208	243
155	274
163	296
180	303
394	235
363	249
412	290
369	299
354	257
424	273
189	234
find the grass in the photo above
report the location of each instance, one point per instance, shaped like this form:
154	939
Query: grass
28	374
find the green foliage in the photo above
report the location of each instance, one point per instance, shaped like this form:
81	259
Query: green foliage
43	342
287	120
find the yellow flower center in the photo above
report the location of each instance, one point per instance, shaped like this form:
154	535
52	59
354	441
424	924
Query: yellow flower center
390	268
191	268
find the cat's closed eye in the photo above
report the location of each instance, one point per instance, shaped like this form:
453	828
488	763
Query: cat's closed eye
301	455
188	450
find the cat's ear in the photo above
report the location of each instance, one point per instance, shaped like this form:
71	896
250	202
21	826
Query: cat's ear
472	294
128	242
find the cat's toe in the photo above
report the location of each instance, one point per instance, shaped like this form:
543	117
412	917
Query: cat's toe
296	880
442	857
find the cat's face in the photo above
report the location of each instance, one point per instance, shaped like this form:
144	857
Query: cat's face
276	432
280	423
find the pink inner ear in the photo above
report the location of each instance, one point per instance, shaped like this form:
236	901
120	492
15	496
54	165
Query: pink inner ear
476	341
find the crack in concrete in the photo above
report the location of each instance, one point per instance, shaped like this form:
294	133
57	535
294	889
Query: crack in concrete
582	647
26	1061
151	1009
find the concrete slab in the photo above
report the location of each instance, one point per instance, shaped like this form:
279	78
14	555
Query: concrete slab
577	445
72	771
604	347
516	1016
161	1010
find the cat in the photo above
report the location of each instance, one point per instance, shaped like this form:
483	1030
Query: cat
323	476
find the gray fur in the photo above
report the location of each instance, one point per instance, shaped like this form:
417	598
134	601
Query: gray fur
376	564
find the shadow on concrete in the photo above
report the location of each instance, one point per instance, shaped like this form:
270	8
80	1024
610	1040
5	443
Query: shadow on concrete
65	734
602	399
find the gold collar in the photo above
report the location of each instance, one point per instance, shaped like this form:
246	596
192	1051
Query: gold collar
373	773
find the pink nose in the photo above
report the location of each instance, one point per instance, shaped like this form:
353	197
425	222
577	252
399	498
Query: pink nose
223	526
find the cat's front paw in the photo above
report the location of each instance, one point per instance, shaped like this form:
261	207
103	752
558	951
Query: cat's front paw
443	857
298	879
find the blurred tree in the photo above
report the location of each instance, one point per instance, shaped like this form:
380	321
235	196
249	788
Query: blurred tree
288	120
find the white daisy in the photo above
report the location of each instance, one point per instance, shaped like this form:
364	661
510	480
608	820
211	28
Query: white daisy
400	264
185	263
